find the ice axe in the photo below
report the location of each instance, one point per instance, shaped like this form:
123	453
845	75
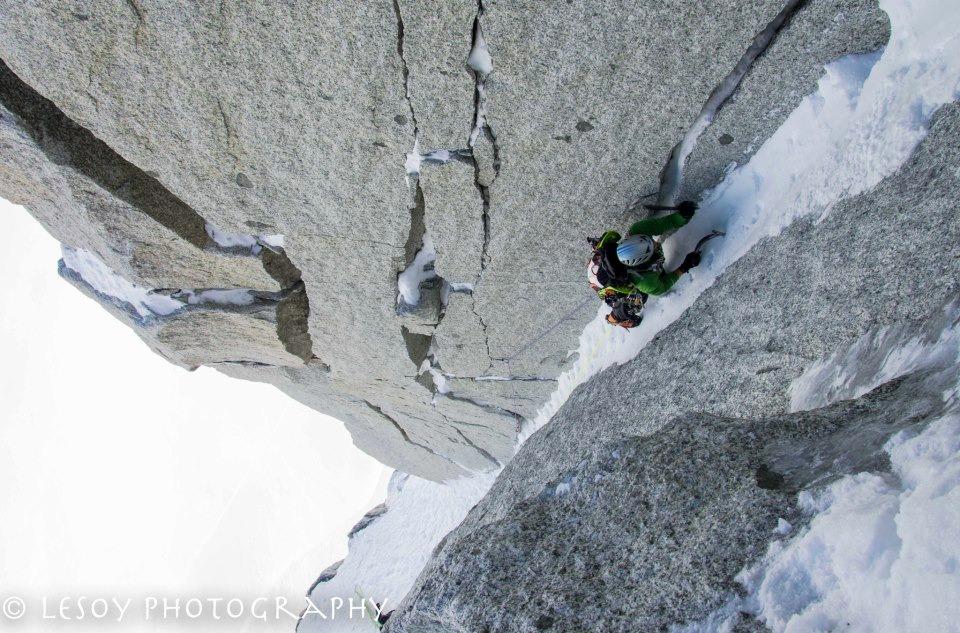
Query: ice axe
706	238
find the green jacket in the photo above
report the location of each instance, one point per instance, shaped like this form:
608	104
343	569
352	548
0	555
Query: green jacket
650	282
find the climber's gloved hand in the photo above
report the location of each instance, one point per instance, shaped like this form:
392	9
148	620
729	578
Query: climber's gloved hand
687	208
690	261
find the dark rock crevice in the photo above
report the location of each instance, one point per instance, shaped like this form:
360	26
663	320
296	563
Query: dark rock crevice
293	312
406	68
70	145
671	176
481	133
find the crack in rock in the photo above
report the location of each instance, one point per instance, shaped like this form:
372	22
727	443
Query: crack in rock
487	456
481	65
406	69
403	433
145	306
672	174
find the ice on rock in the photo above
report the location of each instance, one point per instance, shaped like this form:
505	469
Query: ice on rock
419	271
104	280
480	59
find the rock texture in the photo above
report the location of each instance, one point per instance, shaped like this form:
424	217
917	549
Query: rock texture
131	128
637	515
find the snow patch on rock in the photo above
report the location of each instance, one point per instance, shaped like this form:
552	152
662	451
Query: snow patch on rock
246	241
419	271
104	280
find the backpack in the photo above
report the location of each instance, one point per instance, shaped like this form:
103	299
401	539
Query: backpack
610	271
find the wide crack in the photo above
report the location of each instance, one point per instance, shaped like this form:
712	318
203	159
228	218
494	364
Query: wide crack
145	306
671	176
68	144
480	64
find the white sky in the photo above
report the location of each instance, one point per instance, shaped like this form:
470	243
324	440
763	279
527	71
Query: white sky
120	473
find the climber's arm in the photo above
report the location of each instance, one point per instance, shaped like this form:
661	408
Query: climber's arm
658	226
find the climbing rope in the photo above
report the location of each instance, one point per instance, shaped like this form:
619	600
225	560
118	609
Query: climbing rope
550	329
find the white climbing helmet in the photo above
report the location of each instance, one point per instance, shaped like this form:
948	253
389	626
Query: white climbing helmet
636	250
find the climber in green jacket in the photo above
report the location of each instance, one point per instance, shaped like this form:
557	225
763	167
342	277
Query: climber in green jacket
625	271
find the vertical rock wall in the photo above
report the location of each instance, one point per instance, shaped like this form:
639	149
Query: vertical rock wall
130	125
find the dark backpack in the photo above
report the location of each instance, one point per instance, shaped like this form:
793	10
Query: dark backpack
612	272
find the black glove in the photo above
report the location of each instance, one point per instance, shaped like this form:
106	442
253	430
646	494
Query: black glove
686	209
690	261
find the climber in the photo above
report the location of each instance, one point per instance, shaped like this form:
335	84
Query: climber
624	272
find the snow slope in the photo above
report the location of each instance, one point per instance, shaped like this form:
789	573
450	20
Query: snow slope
868	114
386	557
881	553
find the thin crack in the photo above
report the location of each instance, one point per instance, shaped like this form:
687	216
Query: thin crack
230	133
403	433
482	130
406	68
483	326
140	16
671	176
493	460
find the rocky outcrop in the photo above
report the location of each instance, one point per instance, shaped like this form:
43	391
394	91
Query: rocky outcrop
637	514
178	141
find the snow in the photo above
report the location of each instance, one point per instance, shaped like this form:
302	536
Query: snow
440	381
481	118
448	287
415	159
386	557
146	303
873	360
104	280
243	240
419	271
274	240
881	551
221	297
480	59
866	117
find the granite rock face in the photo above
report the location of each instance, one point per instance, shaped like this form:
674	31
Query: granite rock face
141	131
637	514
